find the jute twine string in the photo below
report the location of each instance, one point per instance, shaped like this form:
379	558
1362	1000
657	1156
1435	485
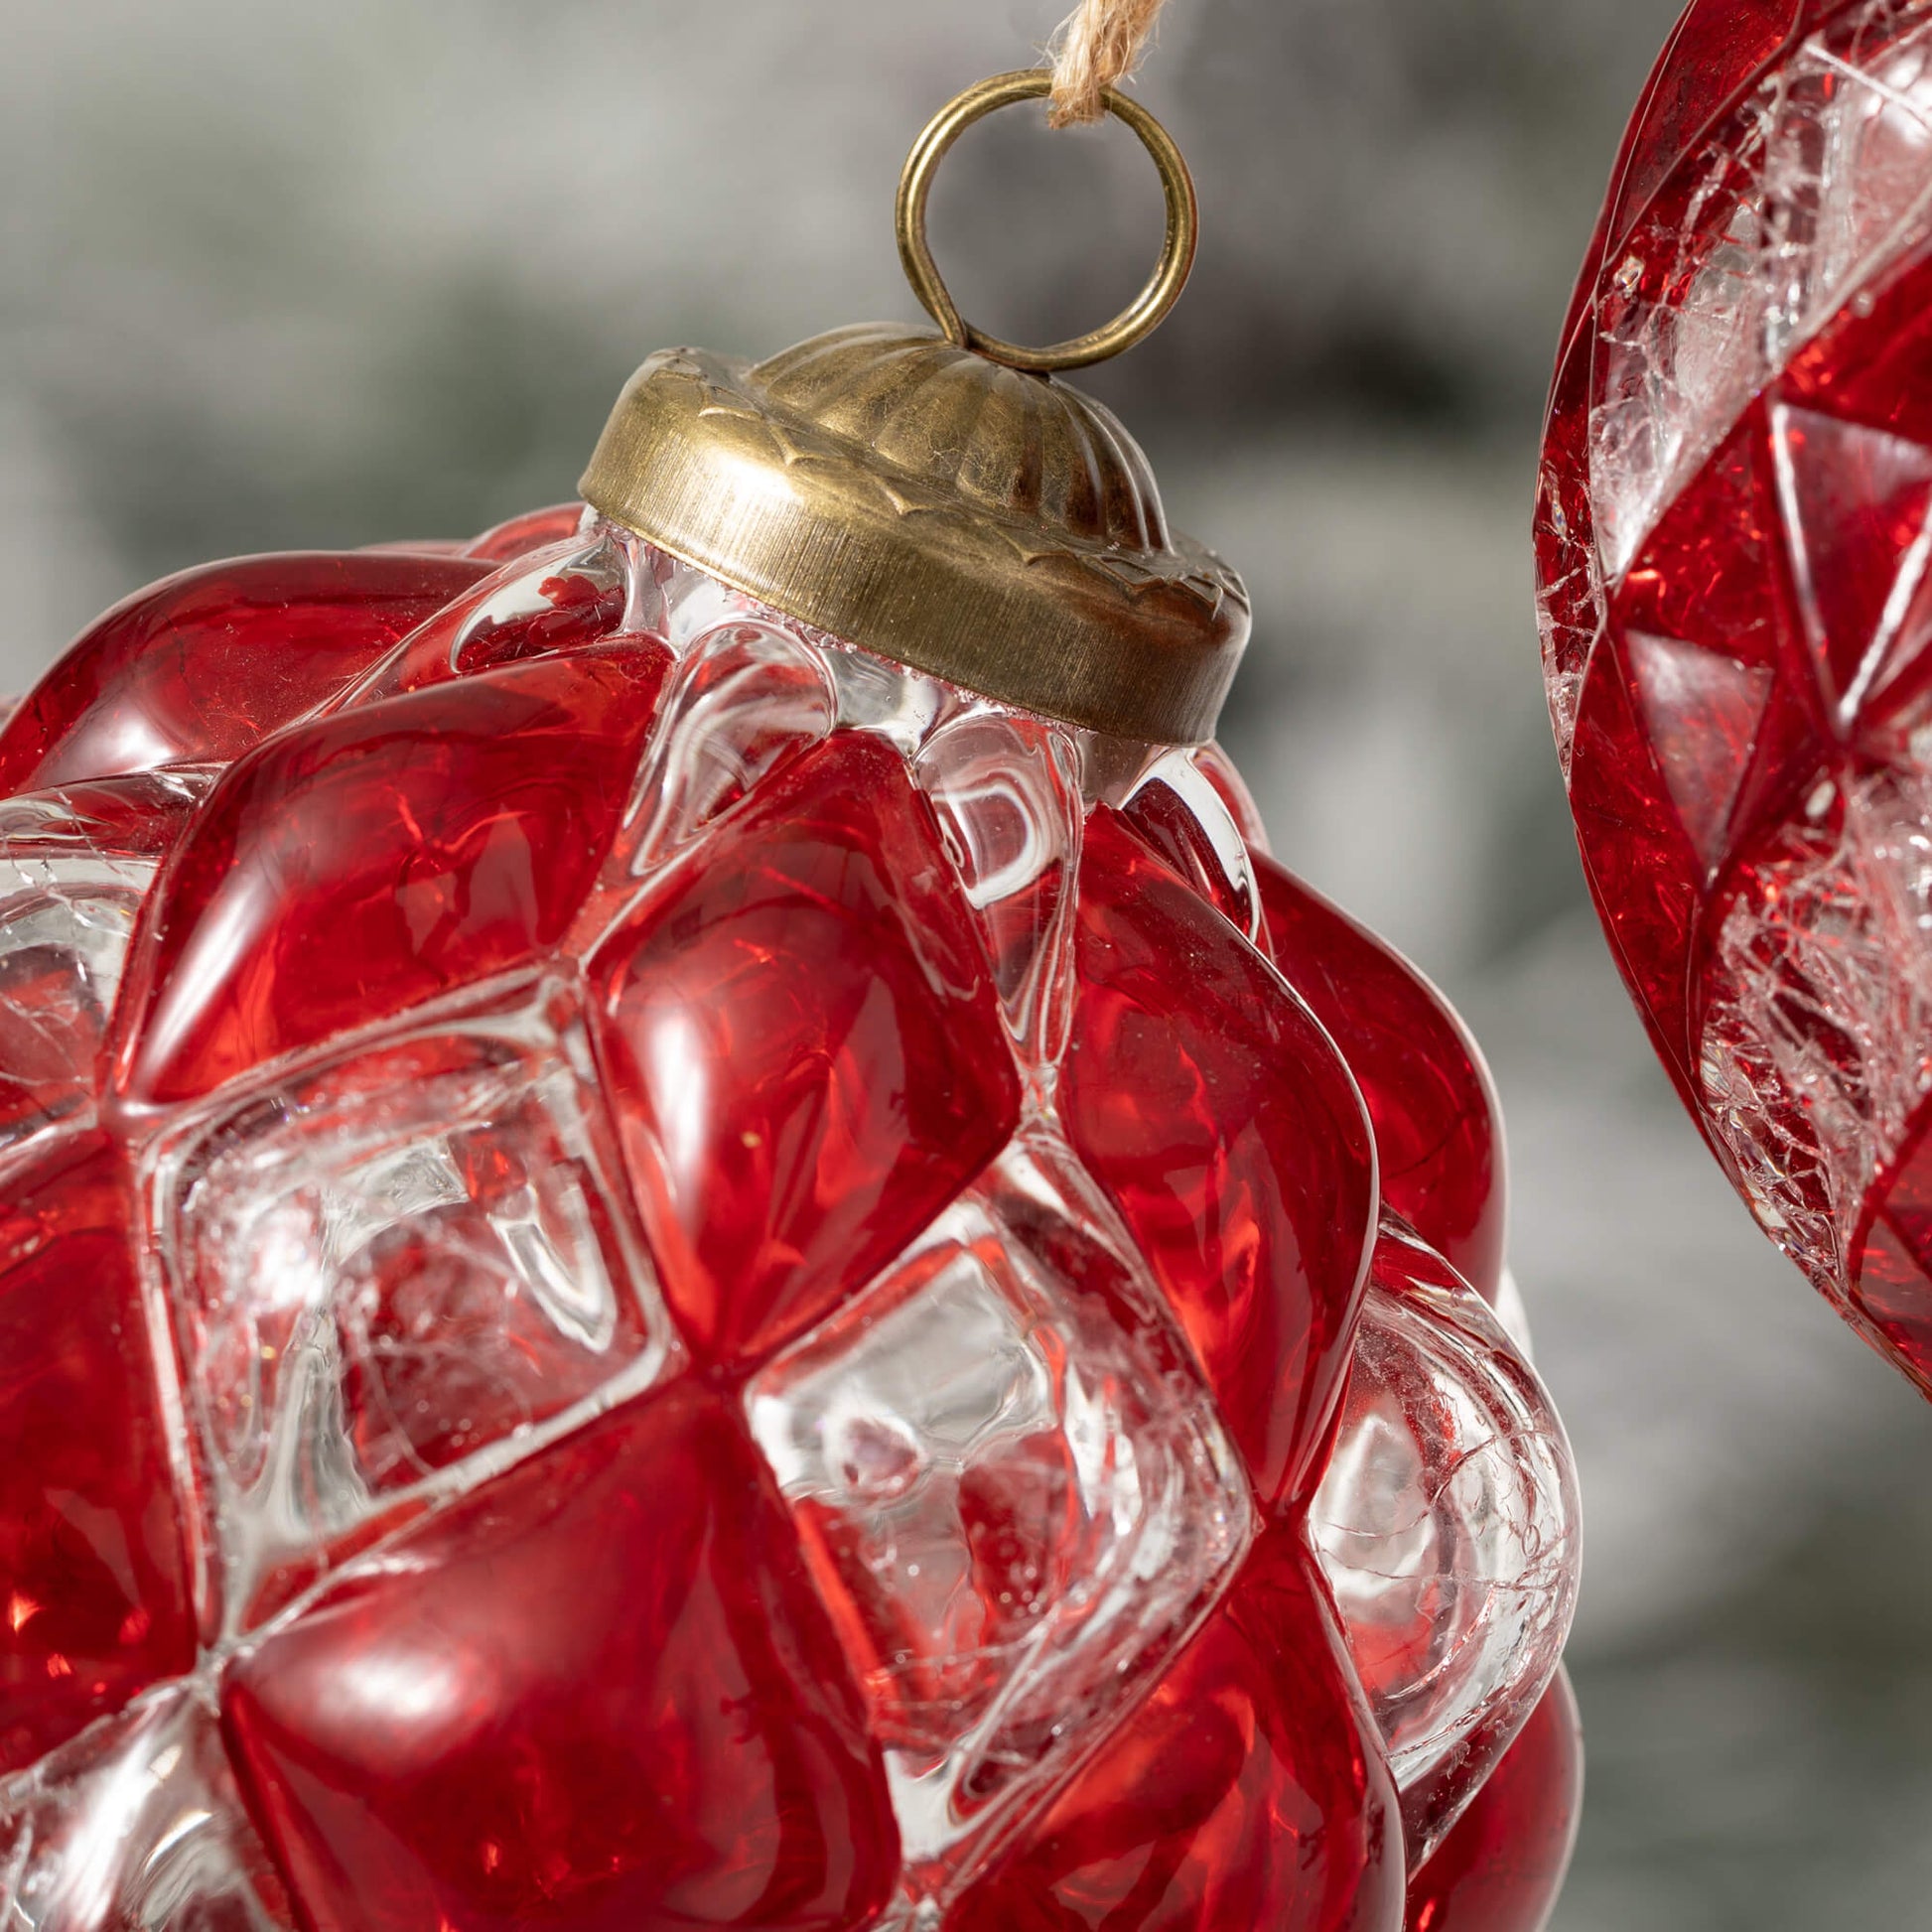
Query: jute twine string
1098	45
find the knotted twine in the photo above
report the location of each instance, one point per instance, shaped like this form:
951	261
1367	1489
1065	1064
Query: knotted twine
1098	45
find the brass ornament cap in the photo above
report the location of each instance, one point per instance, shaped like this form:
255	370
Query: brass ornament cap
995	529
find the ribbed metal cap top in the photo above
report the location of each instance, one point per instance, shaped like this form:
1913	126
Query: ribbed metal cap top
995	529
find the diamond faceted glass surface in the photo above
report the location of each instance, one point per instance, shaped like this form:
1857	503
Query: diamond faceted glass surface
1733	531
654	1273
94	1564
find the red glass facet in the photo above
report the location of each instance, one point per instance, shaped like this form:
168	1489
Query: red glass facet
597	1693
805	1048
1890	1292
1643	875
531	531
205	665
1164	818
1211	1107
379	858
93	1570
1438	1123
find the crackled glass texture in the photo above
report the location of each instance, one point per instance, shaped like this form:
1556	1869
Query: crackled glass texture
655	1273
1734	533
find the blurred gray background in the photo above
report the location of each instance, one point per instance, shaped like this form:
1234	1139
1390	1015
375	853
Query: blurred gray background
324	275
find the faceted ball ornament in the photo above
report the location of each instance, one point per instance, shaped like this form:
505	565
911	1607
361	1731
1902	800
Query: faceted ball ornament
1734	527
655	1273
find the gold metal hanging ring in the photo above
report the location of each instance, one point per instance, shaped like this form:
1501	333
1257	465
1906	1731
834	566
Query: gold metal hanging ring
1141	318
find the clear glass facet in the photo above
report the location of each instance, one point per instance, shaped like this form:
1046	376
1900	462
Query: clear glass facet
1447	1524
393	1263
1011	1484
136	1827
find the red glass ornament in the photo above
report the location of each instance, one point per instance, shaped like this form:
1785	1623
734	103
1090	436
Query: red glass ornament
791	1131
659	1274
1731	542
